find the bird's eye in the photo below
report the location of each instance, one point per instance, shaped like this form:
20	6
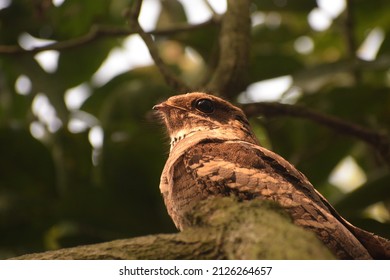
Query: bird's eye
205	106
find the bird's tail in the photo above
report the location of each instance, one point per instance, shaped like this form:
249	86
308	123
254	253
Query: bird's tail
378	247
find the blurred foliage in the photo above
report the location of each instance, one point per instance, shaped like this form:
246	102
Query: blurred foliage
59	190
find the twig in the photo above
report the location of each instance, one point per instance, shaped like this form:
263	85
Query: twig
378	141
207	3
229	77
133	12
100	32
94	33
170	78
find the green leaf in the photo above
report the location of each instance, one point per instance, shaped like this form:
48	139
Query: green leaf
75	18
77	65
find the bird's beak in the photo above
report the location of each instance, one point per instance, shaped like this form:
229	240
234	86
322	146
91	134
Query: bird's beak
160	106
166	105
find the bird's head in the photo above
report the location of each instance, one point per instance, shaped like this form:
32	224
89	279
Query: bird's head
187	114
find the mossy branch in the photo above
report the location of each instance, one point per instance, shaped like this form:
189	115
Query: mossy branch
222	229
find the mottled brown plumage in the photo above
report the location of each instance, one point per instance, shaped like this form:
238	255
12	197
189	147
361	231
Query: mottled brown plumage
215	153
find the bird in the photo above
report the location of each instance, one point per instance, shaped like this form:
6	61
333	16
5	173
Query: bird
215	153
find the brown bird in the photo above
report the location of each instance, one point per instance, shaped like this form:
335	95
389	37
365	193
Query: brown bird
215	153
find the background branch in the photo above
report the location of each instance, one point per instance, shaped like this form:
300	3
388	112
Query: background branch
377	140
98	32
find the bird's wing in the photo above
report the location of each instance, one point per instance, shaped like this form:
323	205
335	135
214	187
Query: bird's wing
248	171
239	166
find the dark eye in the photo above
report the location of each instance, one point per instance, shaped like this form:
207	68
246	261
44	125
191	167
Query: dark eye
205	106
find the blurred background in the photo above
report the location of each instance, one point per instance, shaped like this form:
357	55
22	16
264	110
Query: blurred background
81	154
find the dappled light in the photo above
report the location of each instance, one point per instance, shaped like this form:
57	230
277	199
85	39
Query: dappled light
23	85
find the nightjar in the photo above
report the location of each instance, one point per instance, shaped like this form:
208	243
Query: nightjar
214	152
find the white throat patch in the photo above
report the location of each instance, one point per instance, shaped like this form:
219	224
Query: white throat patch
183	133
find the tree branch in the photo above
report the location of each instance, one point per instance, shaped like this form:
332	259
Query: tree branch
349	26
222	229
379	141
100	32
229	77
